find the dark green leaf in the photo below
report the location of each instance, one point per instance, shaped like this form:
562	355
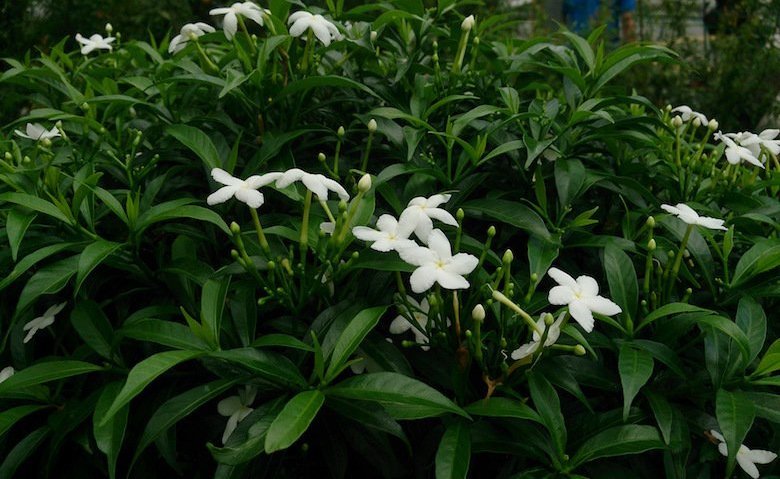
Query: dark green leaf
11	416
621	276
91	257
293	420
548	406
212	304
15	226
44	372
502	407
618	441
93	326
635	367
454	453
762	257
351	337
197	141
735	413
511	213
268	365
110	435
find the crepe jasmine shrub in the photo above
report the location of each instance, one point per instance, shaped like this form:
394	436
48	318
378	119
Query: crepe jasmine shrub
380	240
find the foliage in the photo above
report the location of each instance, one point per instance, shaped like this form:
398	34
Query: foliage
182	316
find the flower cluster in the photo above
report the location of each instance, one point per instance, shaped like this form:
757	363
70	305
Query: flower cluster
750	147
435	262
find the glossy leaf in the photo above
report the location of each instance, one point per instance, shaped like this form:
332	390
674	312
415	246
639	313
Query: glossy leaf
44	372
110	435
93	326
618	441
454	453
351	337
735	415
293	420
548	406
621	276
635	367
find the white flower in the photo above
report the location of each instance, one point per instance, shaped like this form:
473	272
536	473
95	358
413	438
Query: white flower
553	334
6	373
468	23
230	22
754	142
581	296
42	321
317	184
686	213
423	210
401	325
35	131
188	32
735	153
391	234
243	190
95	42
687	114
324	30
746	458
436	264
236	408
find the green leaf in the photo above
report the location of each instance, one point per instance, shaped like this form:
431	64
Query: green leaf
281	340
109	436
762	257
21	451
548	406
406	398
569	178
635	367
91	257
770	362
503	407
735	413
367	414
212	305
16	226
293	420
664	415
511	213
730	329
670	309
35	203
176	209
11	416
240	450
350	339
766	405
268	365
167	333
177	408
752	320
454	453
617	441
621	276
197	141
47	280
44	372
541	255
323	81
93	326
144	373
31	260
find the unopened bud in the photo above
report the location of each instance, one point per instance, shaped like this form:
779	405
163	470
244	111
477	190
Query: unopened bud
476	41
374	34
8	156
85	107
435	57
109	28
365	183
668	108
468	23
435	44
478	313
534	278
26	159
271	265
651	244
579	350
491	232
321	157
650	222
234	228
46	142
508	256
548	319
341	132
712	125
234	254
408	344
696	122
503	343
677	122
371	125
468	333
460	214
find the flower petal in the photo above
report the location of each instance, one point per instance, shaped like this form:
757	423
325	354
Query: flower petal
438	242
221	195
418	256
253	198
562	278
602	305
222	176
560	295
442	215
315	184
588	286
229	405
712	223
423	278
581	313
300	26
400	325
387	224
230	25
760	456
436	200
747	465
525	350
462	264
230	427
450	280
320	31
258	181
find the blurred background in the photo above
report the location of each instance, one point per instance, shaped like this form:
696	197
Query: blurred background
729	49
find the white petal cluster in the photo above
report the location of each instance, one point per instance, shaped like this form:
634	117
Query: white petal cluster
687	114
95	42
754	142
41	322
236	409
553	333
244	190
38	132
188	32
246	10
746	458
435	261
324	30
6	373
735	153
316	183
582	298
688	215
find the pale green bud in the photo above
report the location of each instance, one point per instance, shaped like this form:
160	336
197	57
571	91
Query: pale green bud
374	34
650	222
548	319
371	125
321	156
508	256
651	244
478	313
713	124
579	350
234	228
365	183
491	232
341	132
677	122
468	23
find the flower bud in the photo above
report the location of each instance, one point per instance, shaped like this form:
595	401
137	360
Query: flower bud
271	265
435	44
26	159
677	122
696	122
502	343
371	125
435	58
476	41
478	313
234	228
365	183
579	350
341	132
468	23
8	156
234	254
712	125
321	156
46	142
460	214
651	244
534	278
85	107
491	232
109	28
650	222
548	319
468	333
374	34
408	344
508	256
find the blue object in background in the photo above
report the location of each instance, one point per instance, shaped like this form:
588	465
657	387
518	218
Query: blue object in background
580	13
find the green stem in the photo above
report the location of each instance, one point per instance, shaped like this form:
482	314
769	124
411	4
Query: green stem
678	261
304	242
364	163
464	39
260	235
498	296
